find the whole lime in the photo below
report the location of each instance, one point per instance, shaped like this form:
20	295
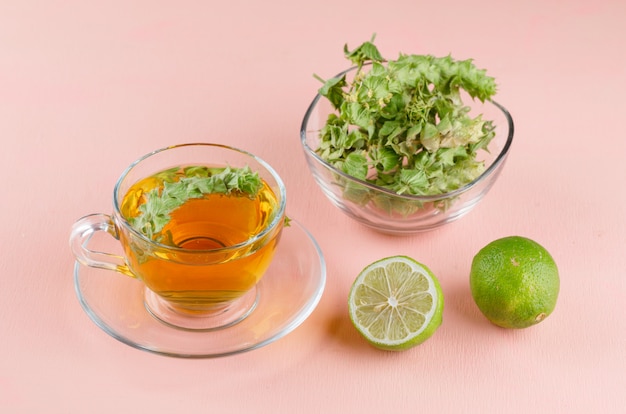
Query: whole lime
514	282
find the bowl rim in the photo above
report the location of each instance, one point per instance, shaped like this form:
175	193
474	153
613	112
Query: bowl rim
425	198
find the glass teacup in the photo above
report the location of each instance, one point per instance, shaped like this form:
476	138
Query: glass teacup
198	225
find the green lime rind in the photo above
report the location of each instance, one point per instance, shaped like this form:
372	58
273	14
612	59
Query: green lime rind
514	282
396	303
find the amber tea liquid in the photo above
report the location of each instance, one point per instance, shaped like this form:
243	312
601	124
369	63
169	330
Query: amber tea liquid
199	279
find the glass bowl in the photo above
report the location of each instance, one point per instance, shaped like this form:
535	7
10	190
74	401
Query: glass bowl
388	212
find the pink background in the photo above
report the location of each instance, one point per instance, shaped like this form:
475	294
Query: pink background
88	87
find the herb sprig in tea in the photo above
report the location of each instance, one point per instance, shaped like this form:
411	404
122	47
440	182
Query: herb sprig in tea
196	182
402	124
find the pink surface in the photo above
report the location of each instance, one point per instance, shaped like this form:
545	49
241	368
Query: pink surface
87	87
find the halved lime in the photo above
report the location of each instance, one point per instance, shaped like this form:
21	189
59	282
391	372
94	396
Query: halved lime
396	303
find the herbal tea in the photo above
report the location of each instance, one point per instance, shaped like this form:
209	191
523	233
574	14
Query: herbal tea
201	209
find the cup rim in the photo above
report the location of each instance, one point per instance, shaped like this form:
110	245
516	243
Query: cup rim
423	198
278	217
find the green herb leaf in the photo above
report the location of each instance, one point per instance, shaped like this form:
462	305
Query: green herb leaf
367	52
356	165
333	90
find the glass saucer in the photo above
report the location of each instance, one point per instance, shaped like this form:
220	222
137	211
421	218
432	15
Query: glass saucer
286	296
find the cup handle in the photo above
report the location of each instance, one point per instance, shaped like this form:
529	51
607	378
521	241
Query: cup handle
81	233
